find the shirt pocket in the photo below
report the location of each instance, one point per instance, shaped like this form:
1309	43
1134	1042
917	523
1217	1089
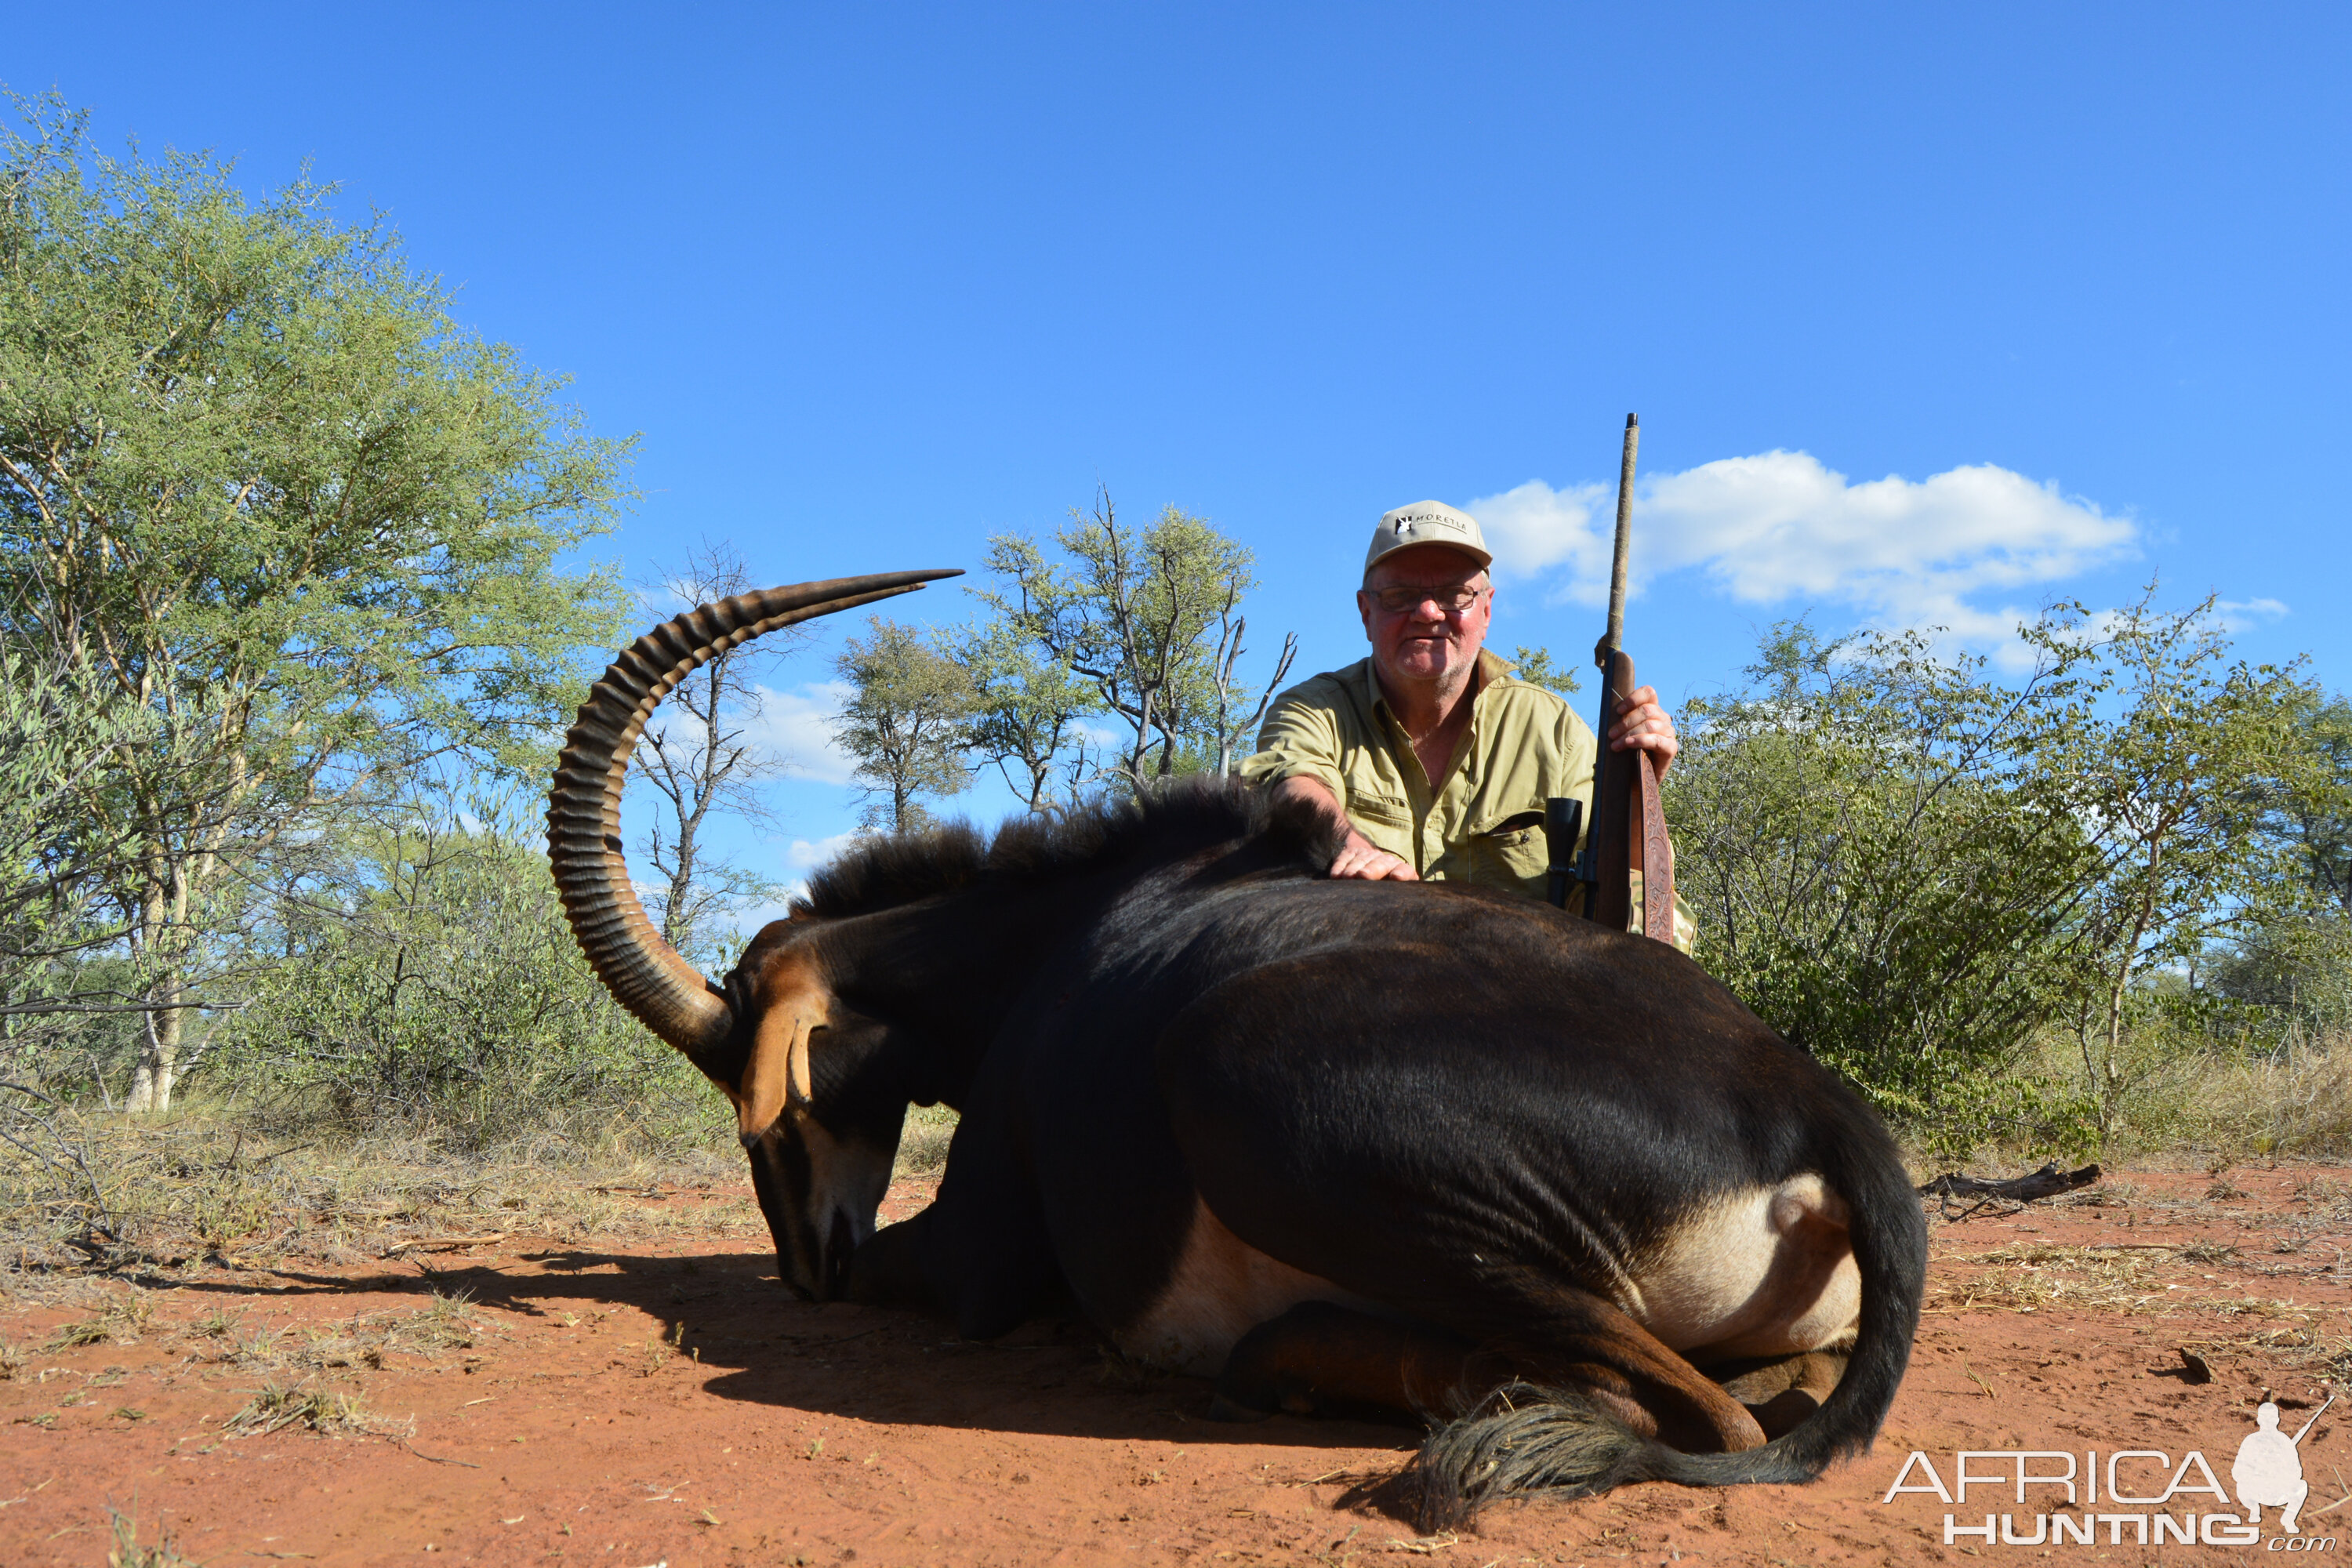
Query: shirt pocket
1513	857
1381	809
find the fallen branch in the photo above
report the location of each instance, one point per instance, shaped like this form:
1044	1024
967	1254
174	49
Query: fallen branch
2046	1183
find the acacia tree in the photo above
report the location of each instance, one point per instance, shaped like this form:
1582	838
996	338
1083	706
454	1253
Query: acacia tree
1878	864
1151	619
258	486
1537	667
2174	765
906	722
1027	716
2317	816
700	757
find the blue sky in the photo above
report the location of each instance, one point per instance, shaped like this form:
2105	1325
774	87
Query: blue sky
1930	314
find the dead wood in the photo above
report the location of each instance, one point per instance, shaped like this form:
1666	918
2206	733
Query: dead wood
2046	1183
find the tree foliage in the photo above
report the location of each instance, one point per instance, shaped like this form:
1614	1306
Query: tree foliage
1537	667
1150	619
2173	763
1028	715
259	487
1877	864
907	721
1918	870
429	978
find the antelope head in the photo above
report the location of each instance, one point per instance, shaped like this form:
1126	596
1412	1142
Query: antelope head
806	1073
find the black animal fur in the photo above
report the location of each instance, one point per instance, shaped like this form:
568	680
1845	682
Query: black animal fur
1180	818
1456	1104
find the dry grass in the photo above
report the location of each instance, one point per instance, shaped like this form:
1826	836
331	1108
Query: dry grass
192	1187
2040	1275
923	1141
123	1551
120	1319
189	1188
330	1412
2294	1102
446	1323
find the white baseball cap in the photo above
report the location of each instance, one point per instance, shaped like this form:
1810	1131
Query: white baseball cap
1427	522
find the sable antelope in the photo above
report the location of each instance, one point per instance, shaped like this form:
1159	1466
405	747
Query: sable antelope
1343	1146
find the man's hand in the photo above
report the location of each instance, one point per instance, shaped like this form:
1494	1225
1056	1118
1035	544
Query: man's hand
1359	859
1363	859
1642	722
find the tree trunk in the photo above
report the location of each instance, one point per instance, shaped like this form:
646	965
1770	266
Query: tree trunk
159	1057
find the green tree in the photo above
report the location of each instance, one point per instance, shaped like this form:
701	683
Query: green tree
907	722
1151	619
62	985
429	978
2173	765
1880	868
260	487
1027	716
1536	667
2317	816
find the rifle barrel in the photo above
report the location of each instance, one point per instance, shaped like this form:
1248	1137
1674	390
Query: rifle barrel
1616	635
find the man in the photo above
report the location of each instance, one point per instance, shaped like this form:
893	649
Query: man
1434	756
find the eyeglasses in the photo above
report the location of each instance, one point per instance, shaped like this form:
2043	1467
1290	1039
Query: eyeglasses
1454	601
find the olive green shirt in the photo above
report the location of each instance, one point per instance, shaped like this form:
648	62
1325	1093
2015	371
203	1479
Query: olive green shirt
1482	822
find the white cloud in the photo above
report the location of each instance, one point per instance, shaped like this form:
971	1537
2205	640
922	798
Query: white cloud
2239	614
807	855
799	725
802	856
1781	527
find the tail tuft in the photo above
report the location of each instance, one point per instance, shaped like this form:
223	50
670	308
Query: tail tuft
1522	1441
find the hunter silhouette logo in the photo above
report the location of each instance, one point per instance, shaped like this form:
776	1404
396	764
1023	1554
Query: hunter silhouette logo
2268	1470
2131	1496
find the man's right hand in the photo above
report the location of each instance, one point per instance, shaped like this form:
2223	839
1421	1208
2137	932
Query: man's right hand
1359	859
1363	859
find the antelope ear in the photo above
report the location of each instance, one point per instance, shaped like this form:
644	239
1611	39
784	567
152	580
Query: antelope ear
794	1005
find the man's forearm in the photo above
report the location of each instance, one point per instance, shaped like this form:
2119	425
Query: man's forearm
1359	856
1307	790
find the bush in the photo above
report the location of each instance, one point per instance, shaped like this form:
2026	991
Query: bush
433	982
1875	869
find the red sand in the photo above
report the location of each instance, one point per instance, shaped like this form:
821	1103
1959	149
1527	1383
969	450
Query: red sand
571	1430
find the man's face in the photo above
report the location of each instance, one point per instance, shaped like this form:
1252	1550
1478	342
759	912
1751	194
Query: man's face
1426	638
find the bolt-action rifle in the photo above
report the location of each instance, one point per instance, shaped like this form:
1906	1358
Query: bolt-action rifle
1624	783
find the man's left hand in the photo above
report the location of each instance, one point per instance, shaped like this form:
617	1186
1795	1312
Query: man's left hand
1642	722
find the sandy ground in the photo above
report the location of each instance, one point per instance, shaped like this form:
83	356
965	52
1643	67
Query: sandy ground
516	1400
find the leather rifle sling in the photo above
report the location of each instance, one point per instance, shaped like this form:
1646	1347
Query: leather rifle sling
1657	858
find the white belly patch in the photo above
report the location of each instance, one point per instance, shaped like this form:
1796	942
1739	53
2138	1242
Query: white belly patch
1223	1287
1768	1271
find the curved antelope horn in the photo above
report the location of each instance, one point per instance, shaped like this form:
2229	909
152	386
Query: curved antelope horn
643	972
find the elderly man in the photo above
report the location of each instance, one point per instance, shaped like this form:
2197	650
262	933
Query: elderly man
1436	758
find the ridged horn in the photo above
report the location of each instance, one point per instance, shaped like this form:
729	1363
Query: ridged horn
643	971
